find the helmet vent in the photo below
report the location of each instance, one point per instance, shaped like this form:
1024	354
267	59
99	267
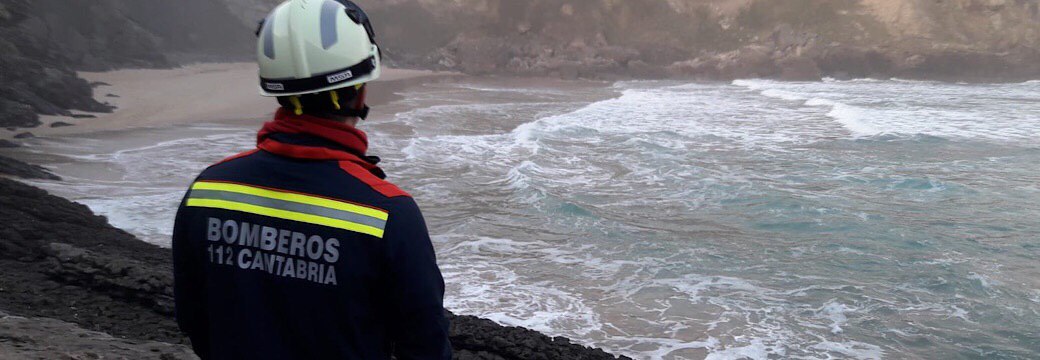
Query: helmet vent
329	10
269	37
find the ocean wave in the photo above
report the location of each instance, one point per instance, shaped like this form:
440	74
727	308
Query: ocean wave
851	350
854	119
495	291
857	80
753	84
785	95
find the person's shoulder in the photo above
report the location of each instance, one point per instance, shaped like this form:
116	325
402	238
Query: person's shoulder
385	189
231	158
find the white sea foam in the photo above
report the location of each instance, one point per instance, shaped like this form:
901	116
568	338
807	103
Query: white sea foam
909	107
780	94
982	279
753	84
835	312
757	350
495	291
852	118
850	350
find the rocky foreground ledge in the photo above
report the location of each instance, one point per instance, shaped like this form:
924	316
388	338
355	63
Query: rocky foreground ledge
74	287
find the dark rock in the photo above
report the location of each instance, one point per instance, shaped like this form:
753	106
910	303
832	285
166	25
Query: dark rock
30	265
9	166
83	116
130	279
111	95
854	63
956	64
24	135
8	144
60	124
15	114
476	338
799	69
44	338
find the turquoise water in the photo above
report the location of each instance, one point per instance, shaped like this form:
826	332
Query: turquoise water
865	219
663	220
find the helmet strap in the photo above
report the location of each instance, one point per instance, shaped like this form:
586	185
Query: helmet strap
359	110
297	107
359	113
335	99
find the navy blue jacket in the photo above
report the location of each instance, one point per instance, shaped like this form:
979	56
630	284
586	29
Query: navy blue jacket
300	250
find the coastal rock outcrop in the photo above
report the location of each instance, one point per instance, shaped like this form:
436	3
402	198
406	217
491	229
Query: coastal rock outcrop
73	285
43	44
9	166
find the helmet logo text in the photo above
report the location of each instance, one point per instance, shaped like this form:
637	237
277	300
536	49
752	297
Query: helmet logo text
337	77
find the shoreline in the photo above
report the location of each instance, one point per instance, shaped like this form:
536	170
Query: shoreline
185	95
144	97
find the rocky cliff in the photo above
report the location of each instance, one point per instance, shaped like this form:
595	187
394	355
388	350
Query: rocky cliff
984	40
72	286
43	43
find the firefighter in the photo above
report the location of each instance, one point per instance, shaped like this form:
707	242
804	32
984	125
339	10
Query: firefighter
299	249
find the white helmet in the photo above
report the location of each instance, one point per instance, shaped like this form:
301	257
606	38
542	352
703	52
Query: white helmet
310	46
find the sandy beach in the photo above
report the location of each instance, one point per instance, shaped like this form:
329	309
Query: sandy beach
208	92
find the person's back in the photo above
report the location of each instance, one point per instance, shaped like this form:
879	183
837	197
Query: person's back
300	250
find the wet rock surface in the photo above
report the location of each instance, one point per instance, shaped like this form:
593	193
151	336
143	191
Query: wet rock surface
9	166
476	338
45	338
79	288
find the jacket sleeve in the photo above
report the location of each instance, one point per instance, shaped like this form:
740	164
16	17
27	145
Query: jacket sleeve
188	287
419	328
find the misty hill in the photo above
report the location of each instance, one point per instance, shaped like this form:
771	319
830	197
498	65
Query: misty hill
717	39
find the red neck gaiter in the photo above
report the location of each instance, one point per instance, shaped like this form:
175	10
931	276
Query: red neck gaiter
285	122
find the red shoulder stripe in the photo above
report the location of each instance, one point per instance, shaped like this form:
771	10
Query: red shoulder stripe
236	156
377	184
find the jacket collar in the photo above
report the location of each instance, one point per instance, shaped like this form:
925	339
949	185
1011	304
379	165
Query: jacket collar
344	142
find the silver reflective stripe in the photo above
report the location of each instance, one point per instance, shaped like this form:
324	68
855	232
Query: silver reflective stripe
269	37
329	10
288	206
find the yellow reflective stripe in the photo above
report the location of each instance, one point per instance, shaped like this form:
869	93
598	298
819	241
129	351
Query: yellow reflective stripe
287	196
287	215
